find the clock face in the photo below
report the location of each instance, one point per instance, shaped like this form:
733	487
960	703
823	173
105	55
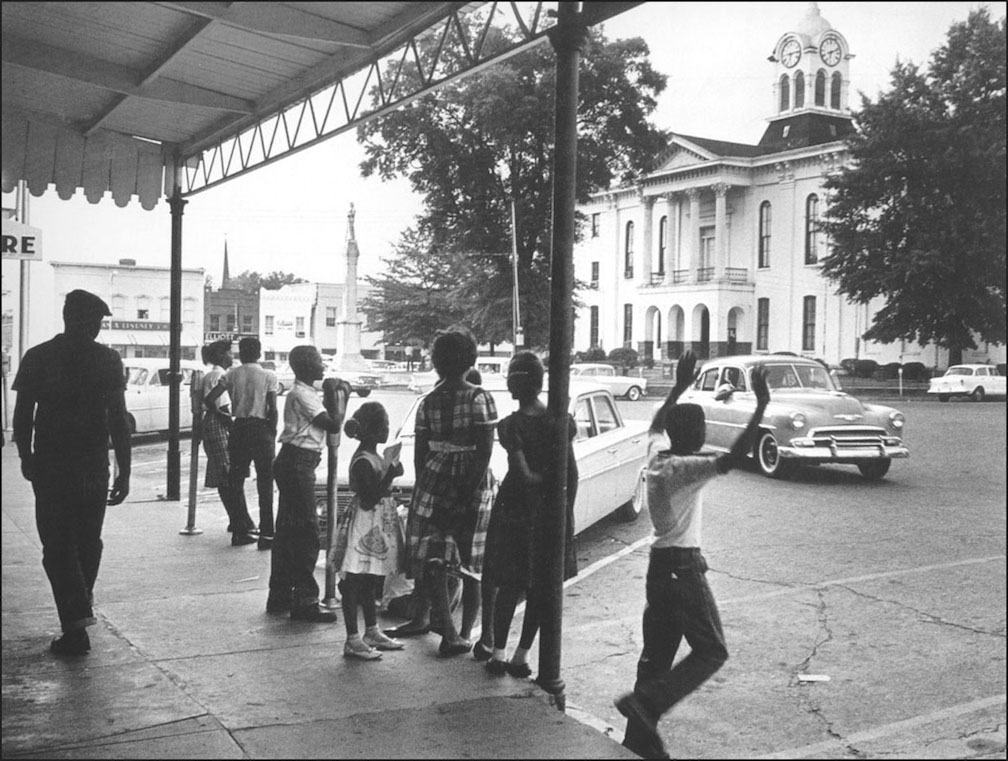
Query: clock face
829	51
790	53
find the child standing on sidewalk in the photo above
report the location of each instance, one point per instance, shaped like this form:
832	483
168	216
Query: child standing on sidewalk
679	600
370	542
292	585
514	549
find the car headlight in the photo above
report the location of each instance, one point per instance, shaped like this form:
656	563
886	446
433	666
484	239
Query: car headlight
896	420
797	421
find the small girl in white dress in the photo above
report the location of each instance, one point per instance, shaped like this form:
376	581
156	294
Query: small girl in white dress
369	542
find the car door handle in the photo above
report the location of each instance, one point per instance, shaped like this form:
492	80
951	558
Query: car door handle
613	450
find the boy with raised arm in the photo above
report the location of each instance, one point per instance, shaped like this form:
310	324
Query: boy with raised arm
679	600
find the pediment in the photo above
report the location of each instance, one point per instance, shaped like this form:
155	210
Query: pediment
678	156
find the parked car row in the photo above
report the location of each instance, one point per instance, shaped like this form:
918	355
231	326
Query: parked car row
978	382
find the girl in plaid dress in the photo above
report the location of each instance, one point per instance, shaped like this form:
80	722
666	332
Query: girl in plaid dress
216	424
450	511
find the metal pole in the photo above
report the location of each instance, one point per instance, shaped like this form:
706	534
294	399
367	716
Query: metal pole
25	271
332	450
196	400
174	464
567	38
515	309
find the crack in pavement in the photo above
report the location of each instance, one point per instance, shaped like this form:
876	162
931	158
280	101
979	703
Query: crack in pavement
932	619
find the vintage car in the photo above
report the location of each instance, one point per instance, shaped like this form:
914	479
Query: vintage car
975	381
285	377
610	453
147	393
492	369
626	386
809	421
362	381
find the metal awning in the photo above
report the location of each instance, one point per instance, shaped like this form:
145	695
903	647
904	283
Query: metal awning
115	97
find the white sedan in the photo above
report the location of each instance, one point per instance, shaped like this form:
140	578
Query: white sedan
975	381
610	453
147	393
620	385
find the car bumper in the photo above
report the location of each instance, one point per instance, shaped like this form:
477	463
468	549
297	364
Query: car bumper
812	451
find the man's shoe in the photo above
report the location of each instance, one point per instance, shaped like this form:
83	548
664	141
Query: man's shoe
277	606
240	540
265	542
74	642
313	614
646	731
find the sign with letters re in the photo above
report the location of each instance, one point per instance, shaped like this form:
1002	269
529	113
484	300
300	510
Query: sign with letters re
21	241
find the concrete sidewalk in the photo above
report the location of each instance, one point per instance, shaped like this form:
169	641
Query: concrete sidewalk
185	663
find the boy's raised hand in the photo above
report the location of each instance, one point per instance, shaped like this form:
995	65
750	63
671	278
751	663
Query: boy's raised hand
760	387
686	370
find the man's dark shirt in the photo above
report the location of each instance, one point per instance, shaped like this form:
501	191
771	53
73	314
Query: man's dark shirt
73	382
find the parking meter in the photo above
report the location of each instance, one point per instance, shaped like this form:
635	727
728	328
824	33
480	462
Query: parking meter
335	394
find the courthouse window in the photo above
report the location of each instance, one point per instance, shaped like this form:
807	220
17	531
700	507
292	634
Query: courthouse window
808	324
764	234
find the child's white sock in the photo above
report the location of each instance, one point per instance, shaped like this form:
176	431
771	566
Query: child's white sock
355	637
499	654
520	655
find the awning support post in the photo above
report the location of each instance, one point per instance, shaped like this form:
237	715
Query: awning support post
568	39
174	465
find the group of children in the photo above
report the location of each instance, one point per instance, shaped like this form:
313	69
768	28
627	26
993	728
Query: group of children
370	546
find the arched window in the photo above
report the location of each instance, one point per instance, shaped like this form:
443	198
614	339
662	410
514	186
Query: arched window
628	252
662	244
835	84
812	229
764	234
785	93
799	90
820	88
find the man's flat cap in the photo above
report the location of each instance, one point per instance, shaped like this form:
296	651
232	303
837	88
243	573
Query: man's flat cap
85	303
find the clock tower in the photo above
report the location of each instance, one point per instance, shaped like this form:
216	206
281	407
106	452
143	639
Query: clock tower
811	83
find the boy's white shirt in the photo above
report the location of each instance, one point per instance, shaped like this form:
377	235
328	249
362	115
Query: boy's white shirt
675	493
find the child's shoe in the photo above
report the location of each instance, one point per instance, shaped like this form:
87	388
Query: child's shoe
377	639
496	667
357	648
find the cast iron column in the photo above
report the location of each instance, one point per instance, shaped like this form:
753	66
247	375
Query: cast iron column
174	465
567	38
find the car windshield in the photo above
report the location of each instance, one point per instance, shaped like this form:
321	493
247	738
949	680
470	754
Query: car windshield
960	371
790	377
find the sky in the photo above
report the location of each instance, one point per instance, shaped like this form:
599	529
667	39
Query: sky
719	86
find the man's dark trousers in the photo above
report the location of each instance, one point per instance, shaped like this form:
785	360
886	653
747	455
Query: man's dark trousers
296	546
69	512
253	441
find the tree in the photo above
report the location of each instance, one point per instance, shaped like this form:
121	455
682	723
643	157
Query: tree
251	281
415	297
919	216
486	140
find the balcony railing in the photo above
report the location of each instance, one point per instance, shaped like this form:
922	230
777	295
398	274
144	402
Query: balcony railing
737	274
680	276
705	274
657	278
593	284
628	273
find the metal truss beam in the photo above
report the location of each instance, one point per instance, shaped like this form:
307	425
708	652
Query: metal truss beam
346	103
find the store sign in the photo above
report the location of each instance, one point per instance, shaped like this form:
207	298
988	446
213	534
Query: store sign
21	241
134	325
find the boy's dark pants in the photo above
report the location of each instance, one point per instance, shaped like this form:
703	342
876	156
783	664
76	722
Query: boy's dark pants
69	513
296	544
679	604
253	441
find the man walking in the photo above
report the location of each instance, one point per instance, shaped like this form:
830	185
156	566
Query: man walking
253	390
70	400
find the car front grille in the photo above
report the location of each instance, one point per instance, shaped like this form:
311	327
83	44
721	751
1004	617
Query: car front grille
847	437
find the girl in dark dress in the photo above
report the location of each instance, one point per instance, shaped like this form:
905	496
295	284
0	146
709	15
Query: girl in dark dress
515	551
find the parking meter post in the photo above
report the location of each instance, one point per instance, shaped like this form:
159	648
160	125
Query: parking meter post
341	391
196	399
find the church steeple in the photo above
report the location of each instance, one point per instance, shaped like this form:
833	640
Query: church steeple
226	276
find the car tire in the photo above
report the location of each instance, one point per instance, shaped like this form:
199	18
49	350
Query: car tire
874	470
631	510
978	394
363	392
634	393
943	397
768	459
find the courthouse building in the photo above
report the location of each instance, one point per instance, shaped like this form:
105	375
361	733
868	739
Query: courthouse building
718	248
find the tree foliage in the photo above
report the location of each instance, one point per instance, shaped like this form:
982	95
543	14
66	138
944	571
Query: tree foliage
251	281
486	140
415	297
919	216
